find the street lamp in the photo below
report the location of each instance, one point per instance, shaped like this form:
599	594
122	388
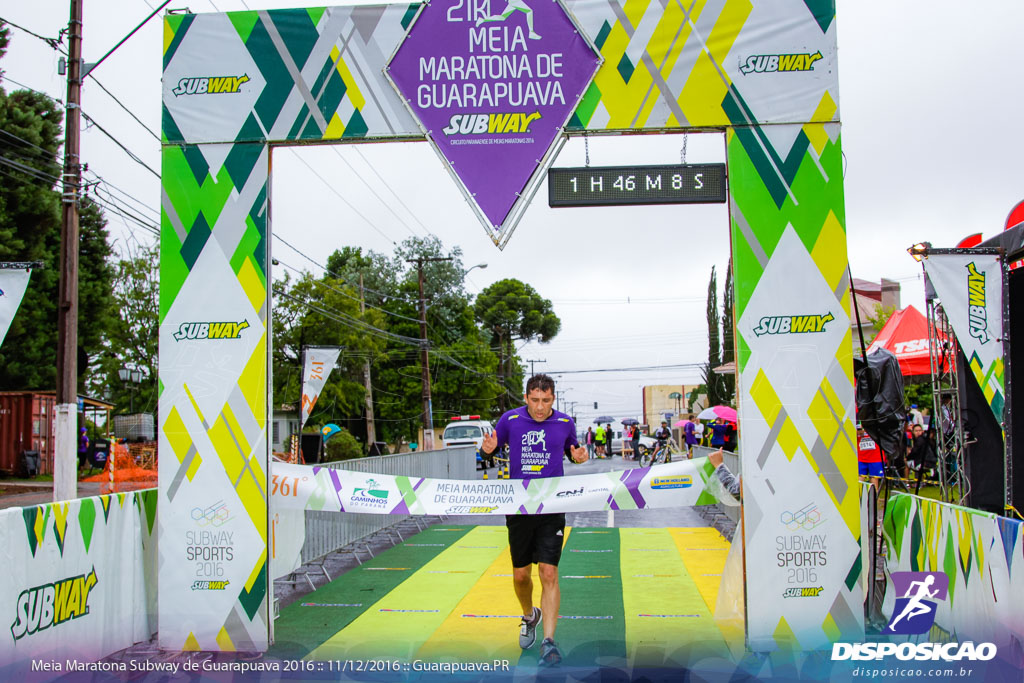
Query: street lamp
479	265
677	396
134	377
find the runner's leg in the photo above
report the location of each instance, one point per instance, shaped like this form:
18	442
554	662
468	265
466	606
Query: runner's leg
550	597
523	583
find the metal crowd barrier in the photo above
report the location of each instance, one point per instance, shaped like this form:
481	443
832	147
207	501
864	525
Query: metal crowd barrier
329	531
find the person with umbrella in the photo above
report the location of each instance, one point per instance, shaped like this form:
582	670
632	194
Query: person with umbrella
599	440
537	436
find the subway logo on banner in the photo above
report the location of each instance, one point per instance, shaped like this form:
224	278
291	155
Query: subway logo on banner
210	85
802	592
792	324
766	64
977	312
481	124
52	604
210	330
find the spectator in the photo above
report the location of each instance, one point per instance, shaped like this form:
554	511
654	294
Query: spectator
922	453
634	439
599	437
870	461
730	437
690	436
718	432
914	416
729	481
83	447
589	439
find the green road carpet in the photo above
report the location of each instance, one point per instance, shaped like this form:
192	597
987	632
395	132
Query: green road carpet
630	598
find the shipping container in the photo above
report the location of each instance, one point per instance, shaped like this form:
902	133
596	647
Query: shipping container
27	424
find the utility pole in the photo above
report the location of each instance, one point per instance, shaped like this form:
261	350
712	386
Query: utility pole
65	470
532	361
428	408
371	430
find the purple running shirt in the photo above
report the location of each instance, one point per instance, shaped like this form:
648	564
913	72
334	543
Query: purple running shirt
536	449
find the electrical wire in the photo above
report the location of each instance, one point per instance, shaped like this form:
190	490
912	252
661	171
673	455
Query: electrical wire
345	201
117	142
345	161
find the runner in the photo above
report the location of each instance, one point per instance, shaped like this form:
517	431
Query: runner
537	437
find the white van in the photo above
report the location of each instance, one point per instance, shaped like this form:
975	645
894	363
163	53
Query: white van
468	430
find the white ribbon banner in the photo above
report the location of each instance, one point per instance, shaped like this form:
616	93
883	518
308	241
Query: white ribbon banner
319	361
13	284
676	484
971	290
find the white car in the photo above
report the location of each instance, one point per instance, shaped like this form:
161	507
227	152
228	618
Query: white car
468	430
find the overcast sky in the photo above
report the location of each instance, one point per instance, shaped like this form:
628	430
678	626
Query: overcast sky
930	102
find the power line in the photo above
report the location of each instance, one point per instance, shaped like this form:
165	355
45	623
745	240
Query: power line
346	202
117	142
123	106
337	276
397	196
337	152
52	42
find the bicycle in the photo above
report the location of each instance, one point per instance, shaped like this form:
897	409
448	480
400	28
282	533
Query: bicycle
663	451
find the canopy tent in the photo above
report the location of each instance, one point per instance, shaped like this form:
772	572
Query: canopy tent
906	335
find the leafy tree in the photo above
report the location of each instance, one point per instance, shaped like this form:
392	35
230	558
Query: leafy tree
134	332
880	317
30	219
728	339
711	379
512	310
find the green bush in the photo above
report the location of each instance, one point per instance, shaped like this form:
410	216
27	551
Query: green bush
342	446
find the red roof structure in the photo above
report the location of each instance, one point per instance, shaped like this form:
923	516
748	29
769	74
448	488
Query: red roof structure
906	335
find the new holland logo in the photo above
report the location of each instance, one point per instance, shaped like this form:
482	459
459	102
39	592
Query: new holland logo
52	604
210	85
792	324
802	592
976	310
682	481
766	64
483	124
210	330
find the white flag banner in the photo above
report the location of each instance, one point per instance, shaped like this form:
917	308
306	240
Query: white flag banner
971	290
13	284
319	361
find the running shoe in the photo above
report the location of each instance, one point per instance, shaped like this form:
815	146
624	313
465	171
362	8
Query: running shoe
550	655
528	630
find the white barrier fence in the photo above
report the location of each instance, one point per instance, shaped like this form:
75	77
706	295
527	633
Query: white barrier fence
79	579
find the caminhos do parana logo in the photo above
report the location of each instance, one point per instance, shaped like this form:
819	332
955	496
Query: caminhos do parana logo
977	313
210	85
792	324
210	330
766	64
52	604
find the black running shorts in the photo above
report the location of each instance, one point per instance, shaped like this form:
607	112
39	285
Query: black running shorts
535	538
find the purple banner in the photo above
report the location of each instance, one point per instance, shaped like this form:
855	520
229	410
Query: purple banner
492	83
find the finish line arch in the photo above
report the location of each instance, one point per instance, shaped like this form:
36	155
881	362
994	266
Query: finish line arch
763	72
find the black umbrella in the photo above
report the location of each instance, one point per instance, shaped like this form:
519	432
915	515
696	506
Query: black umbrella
603	418
630	421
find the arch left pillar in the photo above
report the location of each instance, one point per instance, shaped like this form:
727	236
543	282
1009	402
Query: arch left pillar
214	351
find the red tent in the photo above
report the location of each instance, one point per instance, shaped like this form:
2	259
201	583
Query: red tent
906	335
